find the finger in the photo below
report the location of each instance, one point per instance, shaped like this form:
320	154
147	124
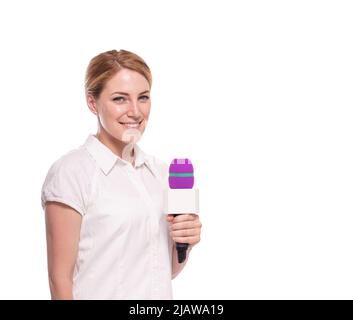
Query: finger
184	217
185	225
169	217
190	240
185	233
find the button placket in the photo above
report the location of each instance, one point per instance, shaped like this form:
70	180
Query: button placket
138	183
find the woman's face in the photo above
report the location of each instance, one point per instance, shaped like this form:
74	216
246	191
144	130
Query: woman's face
123	105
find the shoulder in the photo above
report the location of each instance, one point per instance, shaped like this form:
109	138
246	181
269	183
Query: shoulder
69	180
74	165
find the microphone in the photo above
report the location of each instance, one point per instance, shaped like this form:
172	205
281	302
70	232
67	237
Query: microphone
181	198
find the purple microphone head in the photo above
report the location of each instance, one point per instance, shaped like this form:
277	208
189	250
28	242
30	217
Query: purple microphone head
181	174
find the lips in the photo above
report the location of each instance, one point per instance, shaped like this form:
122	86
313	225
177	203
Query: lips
131	124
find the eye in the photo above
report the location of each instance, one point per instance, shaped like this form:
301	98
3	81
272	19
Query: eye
118	99
145	98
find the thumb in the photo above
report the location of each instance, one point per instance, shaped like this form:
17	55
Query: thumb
170	217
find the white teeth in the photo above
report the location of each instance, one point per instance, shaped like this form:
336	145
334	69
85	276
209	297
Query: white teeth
131	124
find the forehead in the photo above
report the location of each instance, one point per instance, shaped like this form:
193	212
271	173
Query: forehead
127	81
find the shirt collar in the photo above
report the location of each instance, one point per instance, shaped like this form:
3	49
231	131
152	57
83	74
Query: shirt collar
106	159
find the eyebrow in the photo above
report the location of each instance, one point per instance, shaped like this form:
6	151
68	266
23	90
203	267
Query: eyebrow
126	94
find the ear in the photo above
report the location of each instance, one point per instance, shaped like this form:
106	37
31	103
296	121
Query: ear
91	103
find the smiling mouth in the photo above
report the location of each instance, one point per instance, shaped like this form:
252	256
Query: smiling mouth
131	124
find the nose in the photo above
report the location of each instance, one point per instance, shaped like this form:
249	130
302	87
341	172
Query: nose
134	110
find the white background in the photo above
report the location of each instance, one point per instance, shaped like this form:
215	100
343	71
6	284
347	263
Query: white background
258	94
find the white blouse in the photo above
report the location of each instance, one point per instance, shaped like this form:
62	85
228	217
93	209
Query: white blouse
125	249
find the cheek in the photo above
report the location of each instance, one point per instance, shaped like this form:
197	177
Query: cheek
114	111
146	111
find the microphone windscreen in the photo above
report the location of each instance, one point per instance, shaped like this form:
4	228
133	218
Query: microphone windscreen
181	174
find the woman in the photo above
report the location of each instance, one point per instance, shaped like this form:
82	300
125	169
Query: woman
107	234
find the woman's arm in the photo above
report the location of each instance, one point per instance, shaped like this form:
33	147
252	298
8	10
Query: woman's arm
63	226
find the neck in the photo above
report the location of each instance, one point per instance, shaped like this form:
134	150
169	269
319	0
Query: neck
115	145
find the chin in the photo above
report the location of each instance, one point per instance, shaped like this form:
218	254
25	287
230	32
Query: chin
131	135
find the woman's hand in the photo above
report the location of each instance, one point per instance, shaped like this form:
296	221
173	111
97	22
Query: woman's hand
185	228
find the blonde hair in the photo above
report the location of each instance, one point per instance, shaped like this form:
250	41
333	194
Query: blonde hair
105	65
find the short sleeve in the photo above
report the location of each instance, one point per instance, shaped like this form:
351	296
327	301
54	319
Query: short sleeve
66	185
